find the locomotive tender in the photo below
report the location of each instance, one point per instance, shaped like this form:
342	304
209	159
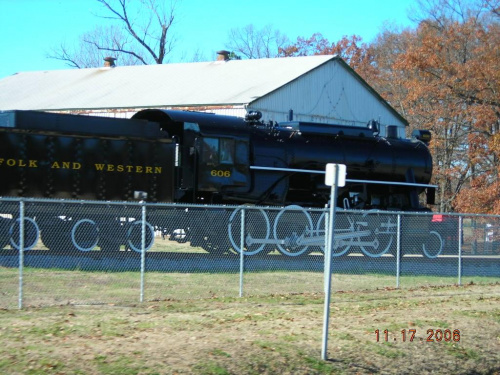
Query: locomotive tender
191	157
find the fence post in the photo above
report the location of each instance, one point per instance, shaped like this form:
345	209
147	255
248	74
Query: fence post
327	238
143	248
398	251
460	250
21	252
242	244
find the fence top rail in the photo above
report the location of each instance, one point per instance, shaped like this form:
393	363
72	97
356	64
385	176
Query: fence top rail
215	206
375	182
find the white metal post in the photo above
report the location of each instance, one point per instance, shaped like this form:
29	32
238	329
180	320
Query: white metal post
398	251
143	249
327	247
460	250
328	250
21	252
242	244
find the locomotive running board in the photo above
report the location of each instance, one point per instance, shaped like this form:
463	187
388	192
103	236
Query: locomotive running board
347	180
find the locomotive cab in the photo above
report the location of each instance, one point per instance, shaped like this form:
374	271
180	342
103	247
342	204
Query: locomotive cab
212	158
223	165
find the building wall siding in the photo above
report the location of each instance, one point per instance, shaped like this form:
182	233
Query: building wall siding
328	94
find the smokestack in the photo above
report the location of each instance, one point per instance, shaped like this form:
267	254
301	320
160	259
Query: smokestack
109	62
223	55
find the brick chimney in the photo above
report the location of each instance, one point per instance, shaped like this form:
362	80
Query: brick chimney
223	55
109	62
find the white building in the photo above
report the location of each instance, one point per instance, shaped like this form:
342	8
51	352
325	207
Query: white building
310	88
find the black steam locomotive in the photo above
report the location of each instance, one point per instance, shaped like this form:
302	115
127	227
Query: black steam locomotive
232	160
190	157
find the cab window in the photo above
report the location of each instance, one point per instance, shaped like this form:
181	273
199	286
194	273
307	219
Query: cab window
210	153
218	151
226	151
241	154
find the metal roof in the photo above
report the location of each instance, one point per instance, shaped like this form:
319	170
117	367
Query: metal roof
189	84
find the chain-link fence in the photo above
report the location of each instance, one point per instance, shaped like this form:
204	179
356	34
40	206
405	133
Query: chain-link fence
60	251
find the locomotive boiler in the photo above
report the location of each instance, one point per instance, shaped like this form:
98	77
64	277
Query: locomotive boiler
191	157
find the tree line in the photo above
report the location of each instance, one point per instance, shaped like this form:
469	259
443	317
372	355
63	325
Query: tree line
443	74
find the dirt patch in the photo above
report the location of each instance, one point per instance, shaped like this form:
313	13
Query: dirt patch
263	335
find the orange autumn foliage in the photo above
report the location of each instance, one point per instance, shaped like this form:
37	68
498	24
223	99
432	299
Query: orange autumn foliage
443	76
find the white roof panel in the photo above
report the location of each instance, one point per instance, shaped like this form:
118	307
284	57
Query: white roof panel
188	84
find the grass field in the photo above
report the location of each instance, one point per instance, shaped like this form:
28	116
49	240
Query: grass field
47	287
198	325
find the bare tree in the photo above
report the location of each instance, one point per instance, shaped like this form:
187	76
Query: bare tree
85	54
440	14
256	44
493	6
138	34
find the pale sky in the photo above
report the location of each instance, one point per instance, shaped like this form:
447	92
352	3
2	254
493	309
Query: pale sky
30	28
